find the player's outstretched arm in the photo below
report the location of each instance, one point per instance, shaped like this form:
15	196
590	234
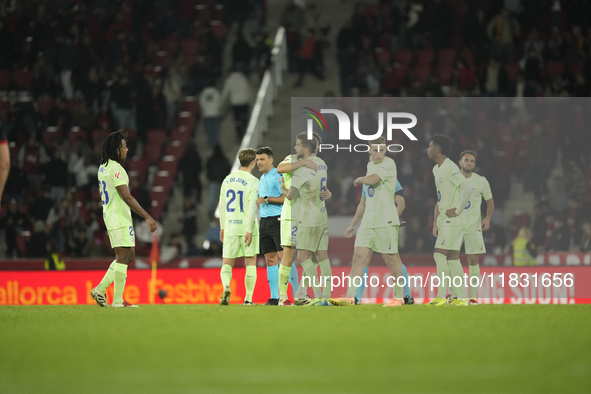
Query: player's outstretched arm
358	215
369	180
490	207
289	167
132	203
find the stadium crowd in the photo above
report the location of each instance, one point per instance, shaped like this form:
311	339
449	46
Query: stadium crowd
71	71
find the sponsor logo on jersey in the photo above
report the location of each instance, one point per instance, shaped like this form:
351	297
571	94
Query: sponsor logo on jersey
371	191
117	174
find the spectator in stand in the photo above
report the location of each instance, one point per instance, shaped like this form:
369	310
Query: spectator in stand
84	117
218	167
532	67
474	34
583	239
56	175
140	193
560	238
558	195
578	48
416	24
293	15
13	222
54	260
540	157
556	48
539	227
466	77
37	245
522	87
442	25
502	30
172	90
92	87
524	251
494	80
309	58
210	101
122	101
60	116
191	167
190	221
237	92
262	52
241	54
78	243
16	184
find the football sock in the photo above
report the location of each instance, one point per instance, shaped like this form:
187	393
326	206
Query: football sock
283	281
442	271
406	285
226	274
273	279
120	276
326	275
456	270
293	279
312	277
250	280
107	279
474	273
360	289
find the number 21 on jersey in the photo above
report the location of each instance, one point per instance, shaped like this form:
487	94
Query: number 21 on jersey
232	195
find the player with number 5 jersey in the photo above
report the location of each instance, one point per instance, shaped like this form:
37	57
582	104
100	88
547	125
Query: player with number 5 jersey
117	203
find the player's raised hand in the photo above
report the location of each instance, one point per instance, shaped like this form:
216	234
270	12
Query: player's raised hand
222	235
152	224
349	232
247	239
357	182
485	224
435	230
310	164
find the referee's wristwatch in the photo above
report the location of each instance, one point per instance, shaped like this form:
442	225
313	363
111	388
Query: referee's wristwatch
267	200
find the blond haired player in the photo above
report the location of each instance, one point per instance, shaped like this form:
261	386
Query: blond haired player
239	229
117	202
379	224
474	225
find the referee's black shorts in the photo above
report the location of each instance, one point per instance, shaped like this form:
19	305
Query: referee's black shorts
270	235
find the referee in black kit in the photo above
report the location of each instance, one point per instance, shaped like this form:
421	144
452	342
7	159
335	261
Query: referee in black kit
270	202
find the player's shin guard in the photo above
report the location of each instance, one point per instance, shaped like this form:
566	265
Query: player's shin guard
250	280
107	279
326	275
442	270
474	273
406	285
311	277
293	279
283	281
120	276
273	279
457	279
226	275
361	289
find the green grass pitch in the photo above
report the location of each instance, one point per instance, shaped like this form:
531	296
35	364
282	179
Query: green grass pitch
236	349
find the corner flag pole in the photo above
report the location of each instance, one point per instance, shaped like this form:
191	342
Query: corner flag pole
154	256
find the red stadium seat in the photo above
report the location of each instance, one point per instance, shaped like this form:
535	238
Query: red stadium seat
140	166
22	79
169	163
203	13
152	153
383	57
191	104
189	46
504	132
176	149
164	179
522	219
45	105
444	74
576	68
468	56
403	57
385	42
158	195
186	119
162	59
219	30
156	136
4	106
425	57
395	78
21	243
422	72
169	45
553	69
181	134
77	134
447	56
5	76
51	134
512	70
